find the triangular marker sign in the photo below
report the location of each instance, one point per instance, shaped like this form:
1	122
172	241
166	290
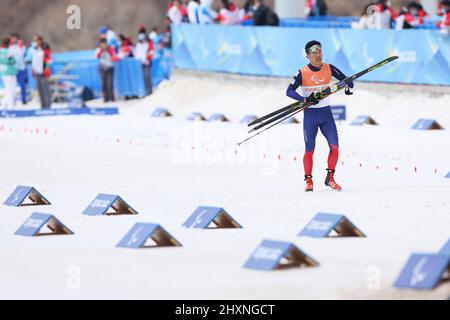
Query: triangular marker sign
445	250
331	225
196	116
361	120
248	118
218	117
146	235
26	196
161	113
427	124
108	204
40	224
211	218
424	271
276	255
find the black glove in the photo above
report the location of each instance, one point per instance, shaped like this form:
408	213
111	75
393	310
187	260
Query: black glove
348	91
313	99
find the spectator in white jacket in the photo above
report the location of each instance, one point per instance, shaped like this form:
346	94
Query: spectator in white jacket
143	51
206	15
192	10
17	49
174	14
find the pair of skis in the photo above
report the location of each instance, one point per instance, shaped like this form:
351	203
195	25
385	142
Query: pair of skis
279	116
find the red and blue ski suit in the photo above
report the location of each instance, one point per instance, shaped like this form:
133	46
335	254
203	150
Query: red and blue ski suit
310	79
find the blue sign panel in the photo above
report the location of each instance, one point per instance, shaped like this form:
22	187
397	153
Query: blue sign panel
18	196
321	225
248	118
268	255
103	202
160	113
445	250
423	271
218	117
138	235
426	124
361	120
196	116
141	232
21	193
203	217
339	113
33	225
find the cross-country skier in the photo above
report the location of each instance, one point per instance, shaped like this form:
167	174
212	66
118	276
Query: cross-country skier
314	77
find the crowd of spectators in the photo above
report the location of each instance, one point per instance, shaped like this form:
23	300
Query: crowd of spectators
381	15
15	56
202	12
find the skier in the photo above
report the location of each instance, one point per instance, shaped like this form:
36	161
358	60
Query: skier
312	78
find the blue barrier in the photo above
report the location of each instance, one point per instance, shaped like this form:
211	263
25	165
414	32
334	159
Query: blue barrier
128	76
59	112
424	55
339	22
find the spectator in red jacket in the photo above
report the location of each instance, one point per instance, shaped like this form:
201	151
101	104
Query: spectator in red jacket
107	57
229	13
410	17
444	12
126	47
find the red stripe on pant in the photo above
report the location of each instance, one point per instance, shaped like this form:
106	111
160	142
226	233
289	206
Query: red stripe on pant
333	157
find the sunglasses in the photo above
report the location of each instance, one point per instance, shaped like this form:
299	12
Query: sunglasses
315	48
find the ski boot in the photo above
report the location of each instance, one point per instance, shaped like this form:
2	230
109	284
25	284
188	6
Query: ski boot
309	184
329	180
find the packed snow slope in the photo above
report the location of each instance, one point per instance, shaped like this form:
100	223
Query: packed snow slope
393	180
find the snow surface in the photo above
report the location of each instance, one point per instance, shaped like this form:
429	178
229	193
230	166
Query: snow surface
166	168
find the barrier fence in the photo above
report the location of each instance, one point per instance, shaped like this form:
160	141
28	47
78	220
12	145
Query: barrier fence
82	69
424	55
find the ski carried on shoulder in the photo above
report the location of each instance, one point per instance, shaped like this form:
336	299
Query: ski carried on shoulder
296	107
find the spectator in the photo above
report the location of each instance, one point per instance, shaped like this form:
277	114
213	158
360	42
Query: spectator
229	14
17	50
192	10
166	38
126	47
175	13
264	16
410	17
39	65
156	38
367	19
206	15
8	72
384	15
143	51
316	8
110	36
246	13
444	12
107	57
